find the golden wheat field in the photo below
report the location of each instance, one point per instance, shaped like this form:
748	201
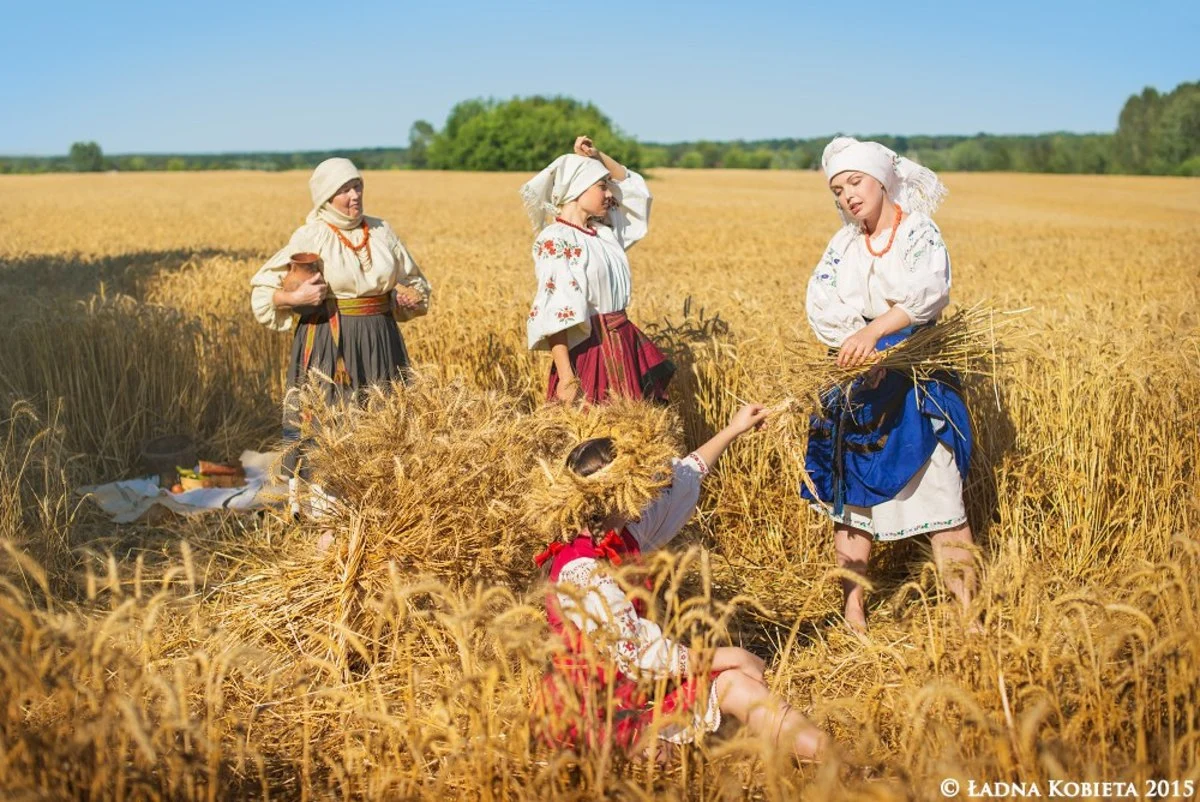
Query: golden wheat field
225	658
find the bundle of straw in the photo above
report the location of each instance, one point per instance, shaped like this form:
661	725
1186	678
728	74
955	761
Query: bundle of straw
967	342
439	480
971	342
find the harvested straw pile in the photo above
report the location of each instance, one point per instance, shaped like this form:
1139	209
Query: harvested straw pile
562	503
440	479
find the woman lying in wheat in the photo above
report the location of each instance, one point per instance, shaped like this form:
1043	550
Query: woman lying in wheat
614	499
597	209
345	313
888	456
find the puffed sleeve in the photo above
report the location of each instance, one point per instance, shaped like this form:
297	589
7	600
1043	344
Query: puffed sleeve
662	518
832	319
595	603
560	303
630	218
410	275
926	284
270	278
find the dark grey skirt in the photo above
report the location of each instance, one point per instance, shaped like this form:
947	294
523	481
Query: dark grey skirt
374	353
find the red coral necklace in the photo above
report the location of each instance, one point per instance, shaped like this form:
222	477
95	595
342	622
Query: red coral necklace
591	232
356	248
891	239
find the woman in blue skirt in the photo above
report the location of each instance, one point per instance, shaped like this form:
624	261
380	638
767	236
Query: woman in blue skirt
888	456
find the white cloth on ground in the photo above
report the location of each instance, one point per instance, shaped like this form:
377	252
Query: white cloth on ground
128	500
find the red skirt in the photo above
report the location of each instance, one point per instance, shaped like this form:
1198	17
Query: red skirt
617	360
579	708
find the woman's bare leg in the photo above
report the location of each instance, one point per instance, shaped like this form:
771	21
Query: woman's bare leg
953	554
853	547
750	702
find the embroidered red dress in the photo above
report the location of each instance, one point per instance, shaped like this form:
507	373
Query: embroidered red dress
584	285
600	687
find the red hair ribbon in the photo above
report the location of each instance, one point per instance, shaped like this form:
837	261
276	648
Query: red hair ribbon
607	547
551	550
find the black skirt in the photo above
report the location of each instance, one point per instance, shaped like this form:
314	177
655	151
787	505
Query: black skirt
373	351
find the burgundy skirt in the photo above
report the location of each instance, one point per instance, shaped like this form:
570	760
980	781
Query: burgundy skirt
617	360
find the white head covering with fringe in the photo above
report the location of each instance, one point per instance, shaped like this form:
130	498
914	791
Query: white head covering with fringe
330	176
913	187
563	181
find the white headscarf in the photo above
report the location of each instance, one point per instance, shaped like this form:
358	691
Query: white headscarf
563	181
913	187
330	176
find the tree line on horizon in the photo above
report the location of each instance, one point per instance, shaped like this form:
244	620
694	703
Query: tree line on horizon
1157	134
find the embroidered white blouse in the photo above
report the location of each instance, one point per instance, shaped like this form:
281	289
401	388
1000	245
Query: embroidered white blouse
347	275
850	286
580	275
595	600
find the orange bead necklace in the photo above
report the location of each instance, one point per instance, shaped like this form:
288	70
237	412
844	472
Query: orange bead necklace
891	239
366	237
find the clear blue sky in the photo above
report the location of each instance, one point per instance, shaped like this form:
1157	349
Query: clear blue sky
226	76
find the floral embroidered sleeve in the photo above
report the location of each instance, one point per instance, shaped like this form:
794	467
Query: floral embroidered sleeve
926	273
560	303
594	602
662	518
832	319
630	218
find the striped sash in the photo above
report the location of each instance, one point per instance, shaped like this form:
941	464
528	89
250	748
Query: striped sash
331	313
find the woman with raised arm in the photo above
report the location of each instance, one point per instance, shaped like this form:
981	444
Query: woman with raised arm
588	211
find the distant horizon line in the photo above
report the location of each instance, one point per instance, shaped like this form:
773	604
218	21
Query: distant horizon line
651	143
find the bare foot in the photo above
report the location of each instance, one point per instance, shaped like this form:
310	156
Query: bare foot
325	541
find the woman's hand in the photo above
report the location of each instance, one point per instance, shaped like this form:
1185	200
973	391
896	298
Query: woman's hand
585	147
858	349
311	293
751	416
408	297
567	390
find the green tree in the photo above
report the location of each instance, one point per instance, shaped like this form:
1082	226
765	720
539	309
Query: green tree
692	160
523	134
86	157
1176	134
968	155
420	135
734	157
1135	126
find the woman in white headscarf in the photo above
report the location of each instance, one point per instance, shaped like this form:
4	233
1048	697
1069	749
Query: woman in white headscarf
345	316
891	464
589	210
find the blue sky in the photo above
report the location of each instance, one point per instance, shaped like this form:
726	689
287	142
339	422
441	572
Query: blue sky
225	76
